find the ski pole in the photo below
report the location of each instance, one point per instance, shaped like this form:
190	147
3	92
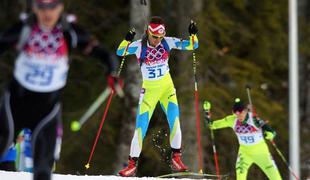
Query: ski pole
197	105
206	108
76	125
248	88
87	166
284	160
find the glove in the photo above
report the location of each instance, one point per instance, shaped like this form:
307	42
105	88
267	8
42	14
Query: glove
114	83
192	28
207	108
270	135
130	35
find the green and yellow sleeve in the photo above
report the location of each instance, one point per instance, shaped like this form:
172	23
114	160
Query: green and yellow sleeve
227	121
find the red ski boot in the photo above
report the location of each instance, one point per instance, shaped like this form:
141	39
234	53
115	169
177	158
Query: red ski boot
131	168
176	163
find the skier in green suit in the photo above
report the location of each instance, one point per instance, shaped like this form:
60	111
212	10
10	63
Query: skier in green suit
250	131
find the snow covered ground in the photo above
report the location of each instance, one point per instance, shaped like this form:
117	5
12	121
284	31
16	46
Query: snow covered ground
28	176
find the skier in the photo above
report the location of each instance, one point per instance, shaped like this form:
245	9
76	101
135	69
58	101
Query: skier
7	162
24	159
250	131
33	97
152	52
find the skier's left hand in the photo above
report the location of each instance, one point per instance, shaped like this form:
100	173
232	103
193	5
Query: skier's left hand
210	124
270	135
192	28
116	84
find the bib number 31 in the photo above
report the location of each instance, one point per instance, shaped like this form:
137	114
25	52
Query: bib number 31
155	73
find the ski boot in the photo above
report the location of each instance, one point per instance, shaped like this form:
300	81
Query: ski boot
176	162
131	169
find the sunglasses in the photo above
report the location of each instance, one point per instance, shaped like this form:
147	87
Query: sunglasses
157	37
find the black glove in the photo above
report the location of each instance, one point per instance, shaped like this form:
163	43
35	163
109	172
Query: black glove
192	28
130	35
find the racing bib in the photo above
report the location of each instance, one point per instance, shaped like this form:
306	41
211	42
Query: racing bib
41	75
154	72
42	65
247	133
250	139
156	63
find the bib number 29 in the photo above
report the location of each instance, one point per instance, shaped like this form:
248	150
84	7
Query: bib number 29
39	75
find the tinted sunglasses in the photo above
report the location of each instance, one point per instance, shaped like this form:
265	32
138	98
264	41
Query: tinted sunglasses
157	37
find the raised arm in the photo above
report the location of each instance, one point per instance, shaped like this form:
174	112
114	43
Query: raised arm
91	46
190	44
227	121
127	45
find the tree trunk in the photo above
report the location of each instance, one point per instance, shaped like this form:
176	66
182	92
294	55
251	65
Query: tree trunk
138	19
184	74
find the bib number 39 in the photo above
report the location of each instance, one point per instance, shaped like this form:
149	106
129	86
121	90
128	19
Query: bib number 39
39	75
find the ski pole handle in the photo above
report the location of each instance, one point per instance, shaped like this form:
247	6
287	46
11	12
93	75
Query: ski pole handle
124	57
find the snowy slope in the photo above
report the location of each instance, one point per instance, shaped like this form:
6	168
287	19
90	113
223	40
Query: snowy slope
27	176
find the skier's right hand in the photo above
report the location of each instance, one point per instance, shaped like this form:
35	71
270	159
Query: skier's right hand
130	35
116	84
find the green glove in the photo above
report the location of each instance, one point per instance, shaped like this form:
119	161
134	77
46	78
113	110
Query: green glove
270	135
206	108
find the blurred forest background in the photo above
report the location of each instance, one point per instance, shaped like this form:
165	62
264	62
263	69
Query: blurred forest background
241	42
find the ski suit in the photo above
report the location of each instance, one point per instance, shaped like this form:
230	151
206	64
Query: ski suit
253	148
33	97
157	86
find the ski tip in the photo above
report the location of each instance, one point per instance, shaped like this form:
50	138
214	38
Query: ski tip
87	166
75	126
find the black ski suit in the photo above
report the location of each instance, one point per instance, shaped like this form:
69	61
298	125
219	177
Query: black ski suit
33	97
